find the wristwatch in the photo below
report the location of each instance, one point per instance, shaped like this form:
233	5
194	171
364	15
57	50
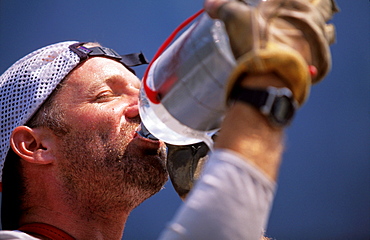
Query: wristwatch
277	104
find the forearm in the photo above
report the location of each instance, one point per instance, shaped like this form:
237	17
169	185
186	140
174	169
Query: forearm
246	131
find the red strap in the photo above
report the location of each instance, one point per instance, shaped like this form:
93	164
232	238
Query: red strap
152	94
45	230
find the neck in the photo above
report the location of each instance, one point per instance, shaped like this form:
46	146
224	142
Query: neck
76	216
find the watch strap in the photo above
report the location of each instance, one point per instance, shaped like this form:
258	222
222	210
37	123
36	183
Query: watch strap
277	104
255	97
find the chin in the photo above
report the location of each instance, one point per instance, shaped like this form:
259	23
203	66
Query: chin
150	158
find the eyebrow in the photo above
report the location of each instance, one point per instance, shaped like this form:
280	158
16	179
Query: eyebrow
93	87
114	79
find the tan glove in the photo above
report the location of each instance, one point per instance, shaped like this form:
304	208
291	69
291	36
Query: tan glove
287	37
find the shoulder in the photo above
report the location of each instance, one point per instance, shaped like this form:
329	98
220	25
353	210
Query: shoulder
13	235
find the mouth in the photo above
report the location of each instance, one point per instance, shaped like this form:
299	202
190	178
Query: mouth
142	137
143	132
148	147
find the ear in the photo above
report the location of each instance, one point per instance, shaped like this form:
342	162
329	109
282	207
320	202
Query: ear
32	145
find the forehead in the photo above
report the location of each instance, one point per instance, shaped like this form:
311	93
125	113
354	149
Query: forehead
100	70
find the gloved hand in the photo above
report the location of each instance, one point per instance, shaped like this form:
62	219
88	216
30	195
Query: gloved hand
287	37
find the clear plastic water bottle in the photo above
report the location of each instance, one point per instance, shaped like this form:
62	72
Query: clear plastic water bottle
189	79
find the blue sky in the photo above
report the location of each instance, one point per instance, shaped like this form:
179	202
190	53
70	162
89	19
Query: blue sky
324	182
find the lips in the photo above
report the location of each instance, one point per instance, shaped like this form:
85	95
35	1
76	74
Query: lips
143	131
144	141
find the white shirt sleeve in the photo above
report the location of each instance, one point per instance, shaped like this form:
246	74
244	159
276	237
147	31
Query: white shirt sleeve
232	200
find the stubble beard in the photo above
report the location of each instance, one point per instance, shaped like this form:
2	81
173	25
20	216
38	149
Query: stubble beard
102	174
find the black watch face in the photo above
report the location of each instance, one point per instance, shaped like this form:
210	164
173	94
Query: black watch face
282	110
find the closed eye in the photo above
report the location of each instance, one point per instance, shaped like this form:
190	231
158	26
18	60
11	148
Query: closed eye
105	96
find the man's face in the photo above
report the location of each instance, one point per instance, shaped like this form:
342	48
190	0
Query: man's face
101	157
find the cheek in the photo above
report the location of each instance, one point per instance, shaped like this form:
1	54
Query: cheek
98	119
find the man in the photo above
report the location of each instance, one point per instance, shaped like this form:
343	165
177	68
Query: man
75	166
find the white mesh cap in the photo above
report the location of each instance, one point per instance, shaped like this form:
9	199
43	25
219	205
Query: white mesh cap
27	84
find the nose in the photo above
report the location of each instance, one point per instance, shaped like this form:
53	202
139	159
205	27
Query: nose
132	111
